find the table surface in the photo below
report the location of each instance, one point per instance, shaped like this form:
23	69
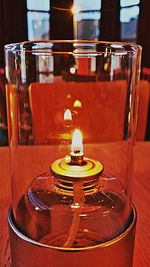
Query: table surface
141	199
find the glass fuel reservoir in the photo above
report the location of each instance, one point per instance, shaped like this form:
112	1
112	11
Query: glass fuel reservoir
60	206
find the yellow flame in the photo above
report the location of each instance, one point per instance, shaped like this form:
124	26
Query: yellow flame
77	104
67	115
68	96
77	144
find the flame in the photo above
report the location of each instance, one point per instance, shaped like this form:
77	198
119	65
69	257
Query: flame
77	145
77	104
67	115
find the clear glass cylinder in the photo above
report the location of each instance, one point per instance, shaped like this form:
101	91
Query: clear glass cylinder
67	194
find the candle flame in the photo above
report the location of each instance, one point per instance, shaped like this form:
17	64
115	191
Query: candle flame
77	145
77	104
67	115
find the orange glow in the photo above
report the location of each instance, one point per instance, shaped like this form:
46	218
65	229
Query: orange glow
77	104
77	144
67	115
75	10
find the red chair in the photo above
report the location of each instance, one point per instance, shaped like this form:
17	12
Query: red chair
101	116
146	73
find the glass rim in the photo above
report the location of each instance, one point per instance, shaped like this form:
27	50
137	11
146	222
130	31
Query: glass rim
47	45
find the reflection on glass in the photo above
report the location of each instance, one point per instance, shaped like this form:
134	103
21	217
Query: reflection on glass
124	3
38	25
38	5
88	4
86	16
87	20
127	14
128	18
92	15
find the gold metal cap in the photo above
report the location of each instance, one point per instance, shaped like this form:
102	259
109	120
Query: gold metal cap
70	169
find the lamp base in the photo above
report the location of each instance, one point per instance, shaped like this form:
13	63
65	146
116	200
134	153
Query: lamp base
117	252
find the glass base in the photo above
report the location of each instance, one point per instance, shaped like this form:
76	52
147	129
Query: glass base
117	252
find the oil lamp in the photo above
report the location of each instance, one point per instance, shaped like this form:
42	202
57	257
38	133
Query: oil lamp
71	188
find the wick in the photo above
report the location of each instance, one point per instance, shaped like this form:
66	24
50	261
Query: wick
78	200
76	151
